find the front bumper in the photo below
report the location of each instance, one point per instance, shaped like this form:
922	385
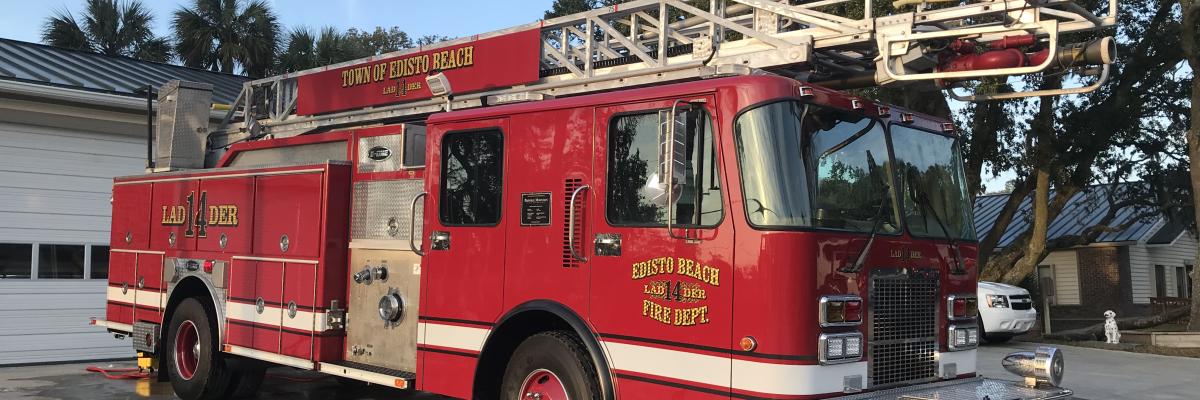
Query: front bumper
966	389
1008	321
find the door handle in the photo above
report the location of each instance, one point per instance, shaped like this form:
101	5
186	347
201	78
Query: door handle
439	240
608	244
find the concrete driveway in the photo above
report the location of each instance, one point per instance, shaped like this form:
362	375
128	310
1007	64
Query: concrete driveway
1104	374
1093	374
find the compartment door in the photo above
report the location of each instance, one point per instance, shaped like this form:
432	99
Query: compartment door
298	318
150	293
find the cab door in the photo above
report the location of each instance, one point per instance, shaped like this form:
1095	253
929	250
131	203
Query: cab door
463	265
661	299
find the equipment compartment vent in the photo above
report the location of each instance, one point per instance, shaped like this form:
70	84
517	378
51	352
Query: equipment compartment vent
568	188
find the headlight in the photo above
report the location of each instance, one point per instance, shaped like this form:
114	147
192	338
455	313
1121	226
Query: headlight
1045	365
836	348
997	301
962	337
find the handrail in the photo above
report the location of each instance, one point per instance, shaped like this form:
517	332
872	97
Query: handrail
571	224
412	224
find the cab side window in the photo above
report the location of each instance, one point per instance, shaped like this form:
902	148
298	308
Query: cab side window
472	172
636	193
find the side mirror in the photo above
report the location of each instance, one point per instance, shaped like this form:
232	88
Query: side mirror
663	187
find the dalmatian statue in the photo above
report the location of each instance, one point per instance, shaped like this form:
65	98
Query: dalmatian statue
1110	327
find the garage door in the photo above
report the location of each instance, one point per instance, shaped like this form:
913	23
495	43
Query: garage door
54	220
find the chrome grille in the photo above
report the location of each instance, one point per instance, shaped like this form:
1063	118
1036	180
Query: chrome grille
1020	302
903	340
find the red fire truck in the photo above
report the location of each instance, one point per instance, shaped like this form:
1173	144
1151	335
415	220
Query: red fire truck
645	201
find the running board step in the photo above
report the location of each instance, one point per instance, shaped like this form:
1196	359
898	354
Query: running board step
368	373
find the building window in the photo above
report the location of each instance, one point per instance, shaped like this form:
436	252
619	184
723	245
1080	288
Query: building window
472	172
1160	281
1191	269
636	193
60	261
1181	283
16	260
99	262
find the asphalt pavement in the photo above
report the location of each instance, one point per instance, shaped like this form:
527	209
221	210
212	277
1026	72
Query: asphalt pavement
1093	374
1097	374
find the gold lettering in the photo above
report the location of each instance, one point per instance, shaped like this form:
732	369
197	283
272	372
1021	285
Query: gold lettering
656	311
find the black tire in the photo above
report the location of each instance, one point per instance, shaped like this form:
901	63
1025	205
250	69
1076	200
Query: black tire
560	353
997	338
211	379
247	377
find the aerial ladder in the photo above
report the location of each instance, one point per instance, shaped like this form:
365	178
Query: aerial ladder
924	45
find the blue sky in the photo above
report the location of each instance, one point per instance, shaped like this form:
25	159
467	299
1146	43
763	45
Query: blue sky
22	20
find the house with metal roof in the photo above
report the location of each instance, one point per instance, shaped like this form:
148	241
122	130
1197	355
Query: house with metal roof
69	122
1143	260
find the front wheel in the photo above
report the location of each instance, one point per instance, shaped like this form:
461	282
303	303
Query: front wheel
196	369
550	366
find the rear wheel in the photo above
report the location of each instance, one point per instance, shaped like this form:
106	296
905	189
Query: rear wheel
247	376
195	367
550	366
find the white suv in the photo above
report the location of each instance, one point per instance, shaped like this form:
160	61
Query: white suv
1004	311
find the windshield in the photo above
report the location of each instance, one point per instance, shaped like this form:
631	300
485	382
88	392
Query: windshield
811	166
932	184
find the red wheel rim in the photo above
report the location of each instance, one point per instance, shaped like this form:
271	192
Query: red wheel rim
187	350
542	384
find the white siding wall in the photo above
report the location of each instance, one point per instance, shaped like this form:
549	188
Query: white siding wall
1180	253
1066	276
54	189
1141	273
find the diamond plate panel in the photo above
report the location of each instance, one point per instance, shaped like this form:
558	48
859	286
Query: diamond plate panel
381	209
966	389
392	162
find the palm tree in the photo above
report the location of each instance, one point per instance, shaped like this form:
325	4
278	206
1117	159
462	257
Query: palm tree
221	35
109	27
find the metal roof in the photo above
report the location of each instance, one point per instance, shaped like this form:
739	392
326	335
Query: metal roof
39	63
1085	209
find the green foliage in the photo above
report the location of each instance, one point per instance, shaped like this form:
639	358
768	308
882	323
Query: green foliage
304	49
222	35
110	28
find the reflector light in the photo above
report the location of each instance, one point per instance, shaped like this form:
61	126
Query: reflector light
840	310
961	306
806	91
748	343
835	311
907	117
853	311
947	127
208	266
856	104
884	111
